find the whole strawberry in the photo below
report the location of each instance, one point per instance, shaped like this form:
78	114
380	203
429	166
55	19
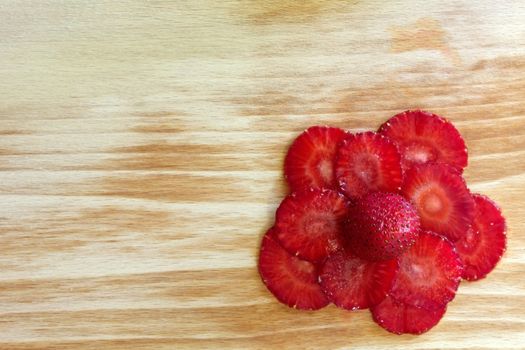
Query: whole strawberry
381	226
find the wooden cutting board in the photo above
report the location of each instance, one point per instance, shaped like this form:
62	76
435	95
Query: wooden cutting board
141	156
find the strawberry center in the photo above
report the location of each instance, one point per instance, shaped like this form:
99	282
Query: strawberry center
433	204
325	168
318	225
301	268
418	152
470	241
417	272
366	168
354	267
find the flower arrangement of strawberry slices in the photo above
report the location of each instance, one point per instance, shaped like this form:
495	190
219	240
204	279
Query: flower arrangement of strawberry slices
380	220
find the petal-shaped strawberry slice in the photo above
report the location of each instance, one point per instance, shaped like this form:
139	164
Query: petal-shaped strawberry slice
353	283
367	162
400	318
292	281
423	137
441	198
429	273
310	159
484	244
310	223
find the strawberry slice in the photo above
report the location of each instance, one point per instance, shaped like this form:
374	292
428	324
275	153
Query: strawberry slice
352	283
292	281
367	162
484	244
310	159
423	137
400	318
441	198
310	223
429	273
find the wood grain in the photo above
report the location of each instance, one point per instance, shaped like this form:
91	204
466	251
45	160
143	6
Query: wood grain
141	146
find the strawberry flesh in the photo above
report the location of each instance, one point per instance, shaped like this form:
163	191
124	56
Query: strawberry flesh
367	162
429	273
381	226
310	159
441	198
484	244
400	318
292	281
352	283
310	223
423	137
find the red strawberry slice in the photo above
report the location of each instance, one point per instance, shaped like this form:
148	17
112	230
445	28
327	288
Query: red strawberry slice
381	226
429	273
367	162
352	283
292	281
310	159
484	244
310	223
424	137
442	199
400	318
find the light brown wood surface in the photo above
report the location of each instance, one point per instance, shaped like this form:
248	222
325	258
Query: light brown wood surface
141	150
